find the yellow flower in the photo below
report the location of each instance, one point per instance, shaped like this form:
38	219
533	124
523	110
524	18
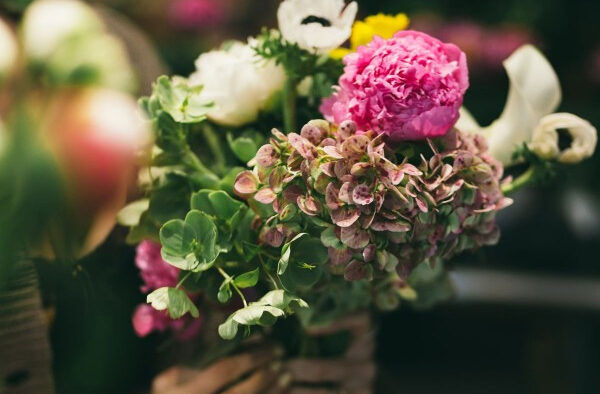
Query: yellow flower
363	31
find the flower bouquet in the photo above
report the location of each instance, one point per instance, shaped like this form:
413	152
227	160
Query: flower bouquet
292	175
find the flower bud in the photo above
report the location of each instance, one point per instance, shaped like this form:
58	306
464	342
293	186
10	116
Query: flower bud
67	40
95	136
544	142
48	24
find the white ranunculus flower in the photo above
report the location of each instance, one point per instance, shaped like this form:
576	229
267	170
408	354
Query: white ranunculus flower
316	25
544	142
534	92
238	82
48	23
9	52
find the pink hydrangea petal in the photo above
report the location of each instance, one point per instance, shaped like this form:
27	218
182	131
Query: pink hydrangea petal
267	156
354	237
344	217
265	196
246	184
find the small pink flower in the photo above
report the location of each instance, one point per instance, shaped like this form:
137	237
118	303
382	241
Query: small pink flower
147	320
155	272
409	87
196	14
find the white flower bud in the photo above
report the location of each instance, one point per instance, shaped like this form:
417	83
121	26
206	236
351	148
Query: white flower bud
544	142
48	23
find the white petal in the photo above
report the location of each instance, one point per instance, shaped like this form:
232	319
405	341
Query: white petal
238	82
349	15
584	135
466	122
534	92
314	36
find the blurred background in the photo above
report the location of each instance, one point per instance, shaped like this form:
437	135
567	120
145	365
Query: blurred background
466	346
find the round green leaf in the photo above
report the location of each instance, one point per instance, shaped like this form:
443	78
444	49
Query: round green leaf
176	238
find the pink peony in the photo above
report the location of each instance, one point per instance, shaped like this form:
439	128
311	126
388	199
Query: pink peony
409	87
147	320
155	272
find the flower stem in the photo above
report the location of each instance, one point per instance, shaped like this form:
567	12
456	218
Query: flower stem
289	105
264	267
214	144
230	279
183	280
520	181
193	161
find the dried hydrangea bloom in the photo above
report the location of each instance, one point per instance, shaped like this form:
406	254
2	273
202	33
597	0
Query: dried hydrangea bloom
388	211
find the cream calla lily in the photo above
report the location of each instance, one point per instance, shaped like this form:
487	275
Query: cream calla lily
544	142
534	92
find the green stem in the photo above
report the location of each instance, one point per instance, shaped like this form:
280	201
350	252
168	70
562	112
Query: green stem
230	279
264	267
193	161
289	105
187	275
214	144
519	181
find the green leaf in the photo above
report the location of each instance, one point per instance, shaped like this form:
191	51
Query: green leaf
254	315
285	254
244	148
229	329
305	266
170	199
201	202
186	263
182	102
175	301
147	228
224	206
176	238
264	312
216	203
282	300
131	214
329	239
225	293
248	279
205	235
